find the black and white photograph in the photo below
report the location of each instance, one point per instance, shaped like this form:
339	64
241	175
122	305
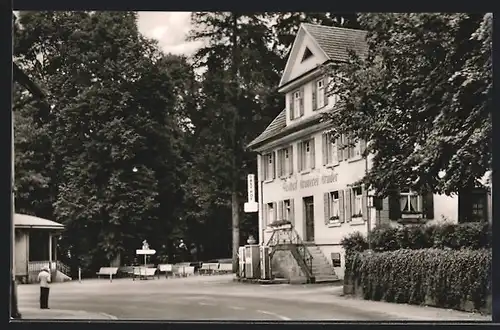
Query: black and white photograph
251	166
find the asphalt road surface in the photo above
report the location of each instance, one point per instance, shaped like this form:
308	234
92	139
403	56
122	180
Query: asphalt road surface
204	298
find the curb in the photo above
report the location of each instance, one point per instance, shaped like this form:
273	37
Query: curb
260	281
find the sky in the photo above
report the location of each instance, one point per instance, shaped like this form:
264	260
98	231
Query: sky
170	29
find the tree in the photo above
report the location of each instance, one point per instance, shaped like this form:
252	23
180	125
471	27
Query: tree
240	80
116	130
422	97
32	156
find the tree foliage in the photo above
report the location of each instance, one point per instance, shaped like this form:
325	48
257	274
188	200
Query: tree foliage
116	107
422	97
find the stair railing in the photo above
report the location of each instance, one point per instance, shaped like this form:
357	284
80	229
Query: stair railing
287	234
63	268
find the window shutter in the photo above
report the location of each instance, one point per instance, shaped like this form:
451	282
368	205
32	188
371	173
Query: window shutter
264	161
394	206
279	164
428	205
378	203
280	211
313	154
341	206
348	205
266	215
291	105
325	149
364	202
464	205
325	91
326	197
302	101
340	156
290	159
273	155
300	156
275	209
292	212
314	93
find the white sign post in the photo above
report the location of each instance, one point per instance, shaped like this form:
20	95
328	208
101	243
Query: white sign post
145	251
251	206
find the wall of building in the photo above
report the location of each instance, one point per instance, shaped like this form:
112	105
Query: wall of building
21	252
324	179
315	183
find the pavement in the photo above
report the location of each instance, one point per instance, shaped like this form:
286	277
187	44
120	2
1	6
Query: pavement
209	298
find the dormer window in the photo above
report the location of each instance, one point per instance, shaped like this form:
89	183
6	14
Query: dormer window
296	104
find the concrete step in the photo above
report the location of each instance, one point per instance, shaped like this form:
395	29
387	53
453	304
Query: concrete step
324	273
329	279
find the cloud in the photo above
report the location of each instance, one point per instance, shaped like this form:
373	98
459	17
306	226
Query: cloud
170	29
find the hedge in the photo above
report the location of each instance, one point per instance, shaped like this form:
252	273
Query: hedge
458	279
453	236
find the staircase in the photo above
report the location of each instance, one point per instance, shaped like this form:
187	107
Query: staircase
286	238
322	270
309	257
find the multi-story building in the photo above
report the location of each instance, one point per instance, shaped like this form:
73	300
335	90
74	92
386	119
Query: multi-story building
306	178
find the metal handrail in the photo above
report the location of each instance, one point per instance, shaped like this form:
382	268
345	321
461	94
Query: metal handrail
288	235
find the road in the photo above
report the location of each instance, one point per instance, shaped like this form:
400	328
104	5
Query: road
213	298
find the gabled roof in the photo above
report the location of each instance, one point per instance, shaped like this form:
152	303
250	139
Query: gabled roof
29	221
336	41
276	126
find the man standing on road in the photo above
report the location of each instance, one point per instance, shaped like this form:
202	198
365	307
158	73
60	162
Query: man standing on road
44	279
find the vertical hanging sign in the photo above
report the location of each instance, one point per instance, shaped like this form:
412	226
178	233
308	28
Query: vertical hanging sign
251	188
251	205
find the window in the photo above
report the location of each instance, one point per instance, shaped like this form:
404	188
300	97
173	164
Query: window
334	206
296	106
286	210
410	202
478	207
268	166
285	161
320	93
354	150
307	54
330	152
297	103
271	212
473	205
357	202
306	155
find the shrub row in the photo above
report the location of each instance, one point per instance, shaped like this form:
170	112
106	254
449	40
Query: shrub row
458	279
453	236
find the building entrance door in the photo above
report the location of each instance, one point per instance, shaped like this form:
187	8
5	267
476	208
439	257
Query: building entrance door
309	218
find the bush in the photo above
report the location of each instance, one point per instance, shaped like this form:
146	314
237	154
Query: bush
355	242
453	236
458	279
